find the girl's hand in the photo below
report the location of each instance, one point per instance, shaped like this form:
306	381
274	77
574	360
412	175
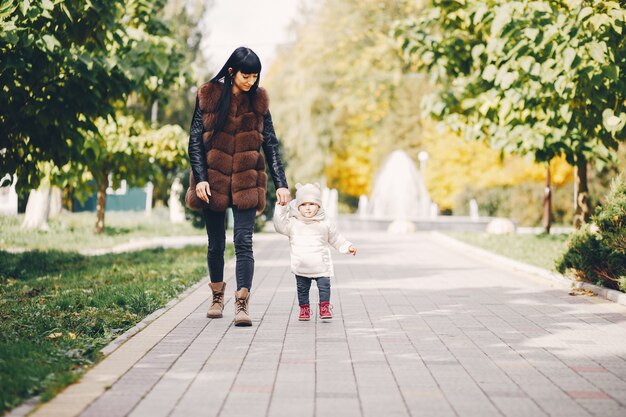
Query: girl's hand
352	250
283	196
203	191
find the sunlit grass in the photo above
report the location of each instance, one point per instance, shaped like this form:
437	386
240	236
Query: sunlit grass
74	231
540	250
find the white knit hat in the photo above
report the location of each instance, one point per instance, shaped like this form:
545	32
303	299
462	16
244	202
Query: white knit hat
308	193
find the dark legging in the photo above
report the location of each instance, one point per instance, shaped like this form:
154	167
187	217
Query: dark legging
304	285
216	233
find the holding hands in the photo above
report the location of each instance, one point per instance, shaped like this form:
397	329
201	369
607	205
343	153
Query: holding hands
203	191
283	196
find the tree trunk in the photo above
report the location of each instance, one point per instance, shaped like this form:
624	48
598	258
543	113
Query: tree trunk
547	203
56	202
100	208
177	211
583	210
37	209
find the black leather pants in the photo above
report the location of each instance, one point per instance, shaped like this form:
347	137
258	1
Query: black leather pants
216	233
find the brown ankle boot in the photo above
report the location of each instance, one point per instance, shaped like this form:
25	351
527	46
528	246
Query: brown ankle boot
217	306
241	308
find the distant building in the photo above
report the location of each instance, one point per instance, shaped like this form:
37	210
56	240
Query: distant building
121	199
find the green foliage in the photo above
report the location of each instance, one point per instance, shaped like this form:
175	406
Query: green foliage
597	253
538	77
126	149
177	104
57	310
64	64
343	99
611	217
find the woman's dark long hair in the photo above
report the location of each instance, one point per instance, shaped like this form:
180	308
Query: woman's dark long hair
242	59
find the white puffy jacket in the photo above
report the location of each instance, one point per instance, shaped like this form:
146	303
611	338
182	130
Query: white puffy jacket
309	240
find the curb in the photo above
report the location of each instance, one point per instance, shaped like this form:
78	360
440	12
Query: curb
148	243
555	278
607	293
125	351
138	244
132	245
118	341
31	404
26	407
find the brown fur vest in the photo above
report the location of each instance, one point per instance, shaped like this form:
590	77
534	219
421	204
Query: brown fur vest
235	166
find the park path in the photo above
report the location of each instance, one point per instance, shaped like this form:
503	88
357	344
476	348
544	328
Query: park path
421	328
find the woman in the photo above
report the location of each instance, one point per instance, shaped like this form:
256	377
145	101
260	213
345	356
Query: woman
231	122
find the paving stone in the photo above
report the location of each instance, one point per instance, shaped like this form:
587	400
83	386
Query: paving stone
419	329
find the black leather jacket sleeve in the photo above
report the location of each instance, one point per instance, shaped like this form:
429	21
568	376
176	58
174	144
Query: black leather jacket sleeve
272	154
196	147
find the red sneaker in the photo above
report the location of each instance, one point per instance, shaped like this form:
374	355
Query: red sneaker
325	312
305	313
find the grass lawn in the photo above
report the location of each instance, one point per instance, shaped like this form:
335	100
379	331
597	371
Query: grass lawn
74	231
540	250
58	309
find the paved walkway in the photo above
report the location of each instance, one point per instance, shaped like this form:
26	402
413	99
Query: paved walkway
420	329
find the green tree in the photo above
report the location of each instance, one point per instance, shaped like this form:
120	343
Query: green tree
176	107
64	64
175	104
543	78
127	149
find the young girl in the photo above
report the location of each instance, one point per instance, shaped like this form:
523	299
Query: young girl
230	124
304	222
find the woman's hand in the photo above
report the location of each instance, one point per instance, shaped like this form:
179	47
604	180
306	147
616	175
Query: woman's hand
283	196
352	250
203	191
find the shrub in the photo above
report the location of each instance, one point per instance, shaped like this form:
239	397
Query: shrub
597	252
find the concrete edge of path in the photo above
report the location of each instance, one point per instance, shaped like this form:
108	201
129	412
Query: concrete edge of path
556	278
120	355
137	244
132	245
118	341
29	405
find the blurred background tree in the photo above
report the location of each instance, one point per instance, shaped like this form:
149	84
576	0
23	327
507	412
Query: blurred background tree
343	99
127	149
333	89
540	78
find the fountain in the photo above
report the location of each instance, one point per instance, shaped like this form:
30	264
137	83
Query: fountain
399	194
473	204
400	202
